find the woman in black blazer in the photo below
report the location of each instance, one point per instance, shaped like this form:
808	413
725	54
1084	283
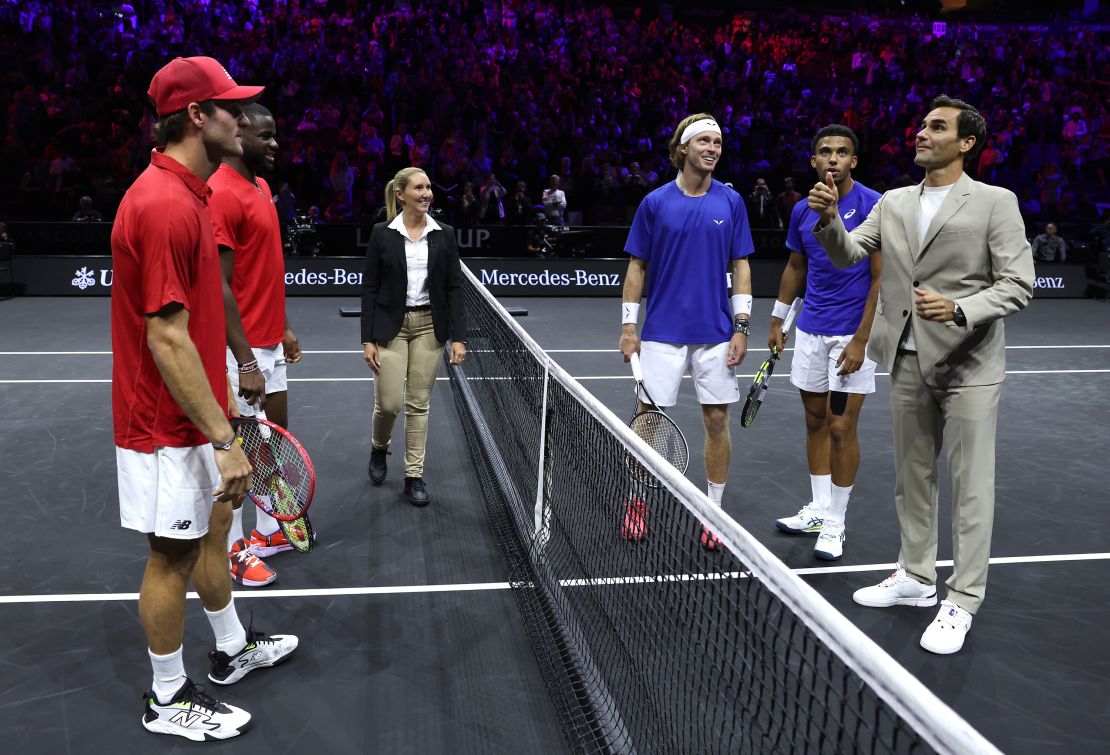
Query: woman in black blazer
411	305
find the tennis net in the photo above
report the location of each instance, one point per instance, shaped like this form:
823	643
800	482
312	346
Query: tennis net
658	645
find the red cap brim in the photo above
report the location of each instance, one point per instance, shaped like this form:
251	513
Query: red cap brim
241	94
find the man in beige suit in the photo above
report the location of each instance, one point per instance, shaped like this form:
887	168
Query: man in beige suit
955	262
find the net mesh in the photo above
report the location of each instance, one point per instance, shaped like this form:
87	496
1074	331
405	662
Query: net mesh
658	645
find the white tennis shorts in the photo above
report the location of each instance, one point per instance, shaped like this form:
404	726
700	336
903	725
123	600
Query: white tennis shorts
271	361
664	364
814	367
168	492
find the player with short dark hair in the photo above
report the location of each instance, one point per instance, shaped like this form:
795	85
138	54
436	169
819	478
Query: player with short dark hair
260	340
179	467
830	366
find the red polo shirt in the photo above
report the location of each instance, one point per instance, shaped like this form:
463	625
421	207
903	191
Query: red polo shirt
246	221
163	252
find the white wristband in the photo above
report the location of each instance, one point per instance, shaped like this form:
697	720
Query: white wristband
781	310
630	313
741	304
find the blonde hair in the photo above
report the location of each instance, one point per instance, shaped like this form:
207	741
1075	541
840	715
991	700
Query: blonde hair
676	159
399	182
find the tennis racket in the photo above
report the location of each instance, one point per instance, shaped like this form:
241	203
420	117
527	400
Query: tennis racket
759	386
284	478
660	432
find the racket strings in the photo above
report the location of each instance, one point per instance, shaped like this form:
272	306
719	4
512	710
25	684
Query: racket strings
663	436
280	475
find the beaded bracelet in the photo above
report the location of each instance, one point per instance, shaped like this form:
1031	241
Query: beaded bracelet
251	366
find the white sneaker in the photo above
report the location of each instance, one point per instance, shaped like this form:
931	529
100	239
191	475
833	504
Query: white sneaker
807	521
830	544
947	632
899	589
194	715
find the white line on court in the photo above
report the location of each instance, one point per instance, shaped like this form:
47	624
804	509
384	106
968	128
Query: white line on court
486	586
576	377
549	351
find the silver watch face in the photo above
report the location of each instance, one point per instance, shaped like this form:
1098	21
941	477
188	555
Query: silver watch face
742	326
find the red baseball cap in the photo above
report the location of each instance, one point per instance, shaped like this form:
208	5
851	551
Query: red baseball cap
185	80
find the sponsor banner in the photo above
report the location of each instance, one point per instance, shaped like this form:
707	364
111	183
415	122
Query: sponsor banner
351	239
57	275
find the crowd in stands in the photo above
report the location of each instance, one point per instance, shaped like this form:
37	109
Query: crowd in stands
496	98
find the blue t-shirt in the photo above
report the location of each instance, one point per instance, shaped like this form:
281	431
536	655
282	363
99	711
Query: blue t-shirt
835	297
688	243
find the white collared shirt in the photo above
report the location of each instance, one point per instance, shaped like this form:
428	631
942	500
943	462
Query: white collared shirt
930	200
416	259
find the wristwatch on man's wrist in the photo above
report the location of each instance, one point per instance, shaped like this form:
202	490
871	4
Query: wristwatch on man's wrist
959	317
741	325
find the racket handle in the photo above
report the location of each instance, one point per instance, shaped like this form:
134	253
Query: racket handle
637	372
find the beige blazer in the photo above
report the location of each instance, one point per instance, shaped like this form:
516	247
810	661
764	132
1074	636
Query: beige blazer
974	253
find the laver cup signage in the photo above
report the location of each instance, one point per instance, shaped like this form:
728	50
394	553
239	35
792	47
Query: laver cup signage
57	275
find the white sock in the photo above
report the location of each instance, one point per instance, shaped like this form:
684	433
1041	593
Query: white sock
235	531
169	674
821	487
838	504
716	492
264	523
230	635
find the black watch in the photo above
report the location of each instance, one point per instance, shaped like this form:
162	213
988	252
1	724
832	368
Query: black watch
959	317
741	325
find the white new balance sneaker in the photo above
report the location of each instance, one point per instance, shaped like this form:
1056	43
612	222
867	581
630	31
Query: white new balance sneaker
194	715
899	589
830	543
949	629
261	651
807	521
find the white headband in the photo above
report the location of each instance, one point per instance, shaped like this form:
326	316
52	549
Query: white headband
699	127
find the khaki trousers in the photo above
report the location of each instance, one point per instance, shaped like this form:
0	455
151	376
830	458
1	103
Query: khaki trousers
963	420
409	365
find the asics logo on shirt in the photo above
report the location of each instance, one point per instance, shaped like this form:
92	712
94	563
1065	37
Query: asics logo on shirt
850	213
718	222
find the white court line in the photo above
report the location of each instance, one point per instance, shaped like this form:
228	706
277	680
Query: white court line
486	586
549	351
576	377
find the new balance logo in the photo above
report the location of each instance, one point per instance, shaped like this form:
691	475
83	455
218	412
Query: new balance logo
719	222
182	524
188	720
849	213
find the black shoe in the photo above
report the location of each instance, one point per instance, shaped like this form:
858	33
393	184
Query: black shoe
377	465
416	491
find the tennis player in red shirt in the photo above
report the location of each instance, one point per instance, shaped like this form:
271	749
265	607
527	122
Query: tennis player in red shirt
179	468
259	339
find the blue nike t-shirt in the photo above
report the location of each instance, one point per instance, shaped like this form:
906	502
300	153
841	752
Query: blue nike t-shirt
835	297
688	243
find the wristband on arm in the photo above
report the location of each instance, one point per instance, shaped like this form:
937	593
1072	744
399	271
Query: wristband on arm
630	312
741	304
781	310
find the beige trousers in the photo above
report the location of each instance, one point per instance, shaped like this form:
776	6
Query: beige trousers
963	420
409	365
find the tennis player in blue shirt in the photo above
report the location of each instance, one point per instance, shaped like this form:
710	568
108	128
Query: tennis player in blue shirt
686	236
830	366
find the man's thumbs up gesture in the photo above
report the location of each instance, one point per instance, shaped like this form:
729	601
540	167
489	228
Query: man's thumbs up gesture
823	198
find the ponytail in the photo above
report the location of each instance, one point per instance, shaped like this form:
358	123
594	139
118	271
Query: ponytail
399	182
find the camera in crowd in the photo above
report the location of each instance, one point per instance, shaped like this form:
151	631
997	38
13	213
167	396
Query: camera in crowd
302	239
548	241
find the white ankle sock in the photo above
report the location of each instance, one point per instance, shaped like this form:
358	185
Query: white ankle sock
264	523
820	485
715	491
169	674
230	635
838	505
235	531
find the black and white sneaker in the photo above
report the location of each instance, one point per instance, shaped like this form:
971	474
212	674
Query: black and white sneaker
194	715
261	651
